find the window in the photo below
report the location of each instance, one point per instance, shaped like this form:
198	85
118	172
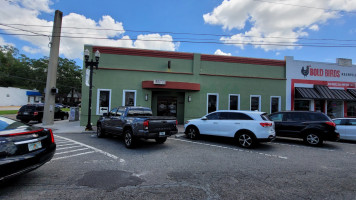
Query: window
351	109
139	112
275	104
319	105
337	122
255	102
303	105
317	117
113	112
103	101
234	102
212	102
239	116
213	116
277	117
352	122
129	98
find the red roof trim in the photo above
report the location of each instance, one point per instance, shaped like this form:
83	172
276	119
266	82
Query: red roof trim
233	59
143	52
282	79
172	85
139	70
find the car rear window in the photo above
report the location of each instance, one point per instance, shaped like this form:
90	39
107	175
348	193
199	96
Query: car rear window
28	109
265	117
139	112
8	124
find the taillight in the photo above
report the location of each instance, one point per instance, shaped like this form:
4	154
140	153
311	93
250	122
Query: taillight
35	113
331	124
145	124
266	124
176	122
52	137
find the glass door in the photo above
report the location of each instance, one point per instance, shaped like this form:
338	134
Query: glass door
166	106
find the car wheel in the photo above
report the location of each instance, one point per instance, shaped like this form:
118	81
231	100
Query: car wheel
192	133
100	132
161	140
246	140
313	139
129	139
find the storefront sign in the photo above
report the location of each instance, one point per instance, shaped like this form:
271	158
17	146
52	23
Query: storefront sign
159	82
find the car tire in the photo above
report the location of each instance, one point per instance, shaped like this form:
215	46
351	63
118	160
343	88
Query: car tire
129	139
246	140
100	132
161	140
313	139
192	133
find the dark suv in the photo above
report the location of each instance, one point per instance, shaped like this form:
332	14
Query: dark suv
312	127
35	112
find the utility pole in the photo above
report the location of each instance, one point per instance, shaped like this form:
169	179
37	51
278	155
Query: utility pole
51	90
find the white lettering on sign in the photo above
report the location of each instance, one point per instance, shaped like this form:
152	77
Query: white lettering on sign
159	82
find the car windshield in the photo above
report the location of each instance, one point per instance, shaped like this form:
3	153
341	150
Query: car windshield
9	124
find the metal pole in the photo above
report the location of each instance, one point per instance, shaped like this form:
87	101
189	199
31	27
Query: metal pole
48	112
89	126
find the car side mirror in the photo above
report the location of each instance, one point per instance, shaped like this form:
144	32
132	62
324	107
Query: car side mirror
204	118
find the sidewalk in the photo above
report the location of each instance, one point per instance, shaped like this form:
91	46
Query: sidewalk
66	126
10	107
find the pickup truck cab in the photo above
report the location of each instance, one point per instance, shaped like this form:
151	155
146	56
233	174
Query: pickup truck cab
134	123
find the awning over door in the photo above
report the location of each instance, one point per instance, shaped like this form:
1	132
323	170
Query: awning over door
352	91
324	92
343	95
306	93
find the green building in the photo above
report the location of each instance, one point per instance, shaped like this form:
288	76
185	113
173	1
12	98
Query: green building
185	85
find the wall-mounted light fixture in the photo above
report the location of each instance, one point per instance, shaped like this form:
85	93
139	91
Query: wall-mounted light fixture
169	64
146	97
189	98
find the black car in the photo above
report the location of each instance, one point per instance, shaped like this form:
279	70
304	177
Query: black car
35	112
23	148
312	127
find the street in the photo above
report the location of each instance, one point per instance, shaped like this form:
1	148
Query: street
87	167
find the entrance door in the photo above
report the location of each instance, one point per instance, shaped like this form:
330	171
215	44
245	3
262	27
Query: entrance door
167	106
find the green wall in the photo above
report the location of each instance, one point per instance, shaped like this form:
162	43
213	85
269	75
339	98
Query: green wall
269	81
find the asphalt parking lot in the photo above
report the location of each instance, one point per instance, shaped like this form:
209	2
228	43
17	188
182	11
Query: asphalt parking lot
87	167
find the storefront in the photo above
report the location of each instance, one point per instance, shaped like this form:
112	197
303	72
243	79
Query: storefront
326	87
184	85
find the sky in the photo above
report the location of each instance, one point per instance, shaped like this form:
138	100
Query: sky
318	30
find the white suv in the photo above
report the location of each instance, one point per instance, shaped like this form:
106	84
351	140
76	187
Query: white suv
247	127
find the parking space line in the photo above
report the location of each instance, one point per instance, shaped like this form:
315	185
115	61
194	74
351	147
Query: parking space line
79	154
300	146
93	148
230	148
68	147
71	151
64	145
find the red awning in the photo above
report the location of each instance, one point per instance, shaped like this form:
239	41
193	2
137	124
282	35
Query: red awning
172	85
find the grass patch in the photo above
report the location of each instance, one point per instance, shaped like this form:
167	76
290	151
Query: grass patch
8	112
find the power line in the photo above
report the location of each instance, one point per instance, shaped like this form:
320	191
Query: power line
207	42
181	33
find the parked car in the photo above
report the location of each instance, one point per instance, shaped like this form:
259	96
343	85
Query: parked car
35	112
312	127
247	127
23	148
134	123
346	127
59	105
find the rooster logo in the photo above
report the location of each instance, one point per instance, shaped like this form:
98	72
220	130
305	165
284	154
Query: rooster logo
305	72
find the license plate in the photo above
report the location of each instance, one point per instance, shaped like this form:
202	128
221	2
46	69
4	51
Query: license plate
162	133
25	113
34	146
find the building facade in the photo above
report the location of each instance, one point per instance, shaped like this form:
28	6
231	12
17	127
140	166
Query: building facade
184	85
324	87
10	96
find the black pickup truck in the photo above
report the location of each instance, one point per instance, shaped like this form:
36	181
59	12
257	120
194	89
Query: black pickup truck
134	123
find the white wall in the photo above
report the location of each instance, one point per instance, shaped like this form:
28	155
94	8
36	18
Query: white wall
10	96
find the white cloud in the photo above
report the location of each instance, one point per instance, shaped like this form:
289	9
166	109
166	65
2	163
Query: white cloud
73	40
274	23
314	27
219	52
3	42
31	50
